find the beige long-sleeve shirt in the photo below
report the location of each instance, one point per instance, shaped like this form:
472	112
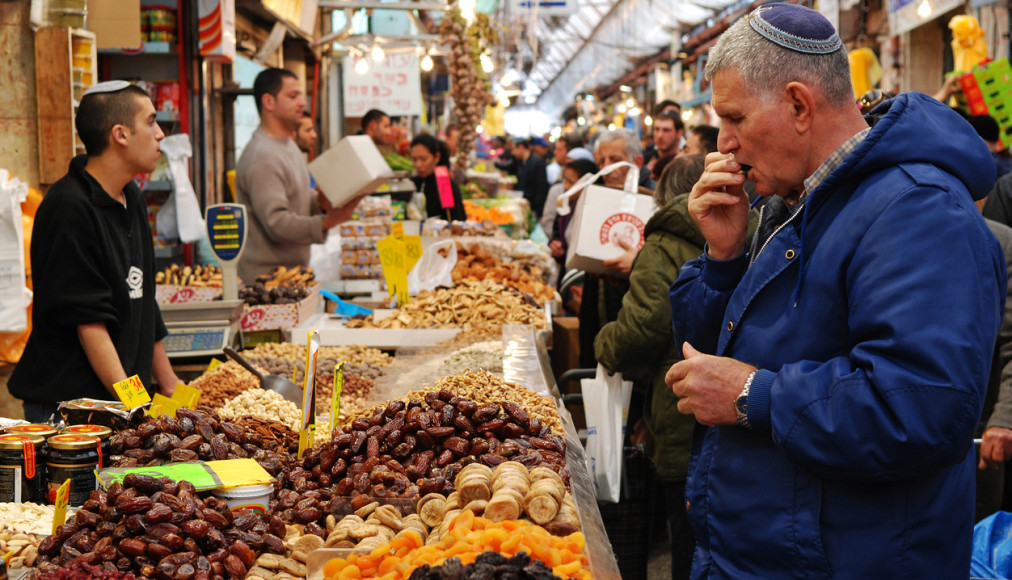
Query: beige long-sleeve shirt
284	220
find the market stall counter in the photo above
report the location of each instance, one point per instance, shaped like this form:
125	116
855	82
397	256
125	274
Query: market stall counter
492	465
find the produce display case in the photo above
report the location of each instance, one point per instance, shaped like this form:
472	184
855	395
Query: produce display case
281	316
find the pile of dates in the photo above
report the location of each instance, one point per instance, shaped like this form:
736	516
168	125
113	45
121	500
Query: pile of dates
158	528
191	436
410	450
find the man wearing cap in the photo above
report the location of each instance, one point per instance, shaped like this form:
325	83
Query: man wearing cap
531	179
95	321
837	361
286	215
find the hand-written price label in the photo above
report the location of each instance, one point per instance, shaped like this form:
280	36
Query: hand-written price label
392	255
62	498
131	392
413	244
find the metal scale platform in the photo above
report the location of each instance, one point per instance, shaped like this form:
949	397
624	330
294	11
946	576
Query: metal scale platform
205	328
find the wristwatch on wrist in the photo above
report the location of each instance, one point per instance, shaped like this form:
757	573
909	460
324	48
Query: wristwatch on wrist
741	402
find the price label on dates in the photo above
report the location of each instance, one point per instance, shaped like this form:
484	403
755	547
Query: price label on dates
62	498
132	392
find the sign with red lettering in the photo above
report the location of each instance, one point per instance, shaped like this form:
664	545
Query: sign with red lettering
392	85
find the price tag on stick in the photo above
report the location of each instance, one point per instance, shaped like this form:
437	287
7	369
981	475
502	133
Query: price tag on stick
309	393
62	498
335	396
445	187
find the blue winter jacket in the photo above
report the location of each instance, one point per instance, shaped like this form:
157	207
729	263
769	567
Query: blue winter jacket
873	328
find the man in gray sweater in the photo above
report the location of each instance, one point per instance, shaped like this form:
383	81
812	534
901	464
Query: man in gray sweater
285	215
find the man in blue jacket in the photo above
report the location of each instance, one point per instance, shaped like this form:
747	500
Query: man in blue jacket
837	361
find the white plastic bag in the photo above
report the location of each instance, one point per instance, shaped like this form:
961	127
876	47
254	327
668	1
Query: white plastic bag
433	270
180	217
14	297
606	404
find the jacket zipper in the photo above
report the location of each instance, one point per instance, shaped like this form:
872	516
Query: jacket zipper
797	210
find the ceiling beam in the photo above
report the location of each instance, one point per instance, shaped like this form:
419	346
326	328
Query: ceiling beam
583	45
356	4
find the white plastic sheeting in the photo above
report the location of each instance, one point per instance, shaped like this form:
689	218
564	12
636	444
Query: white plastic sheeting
574	57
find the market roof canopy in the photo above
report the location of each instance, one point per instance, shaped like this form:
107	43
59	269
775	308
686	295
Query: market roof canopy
603	40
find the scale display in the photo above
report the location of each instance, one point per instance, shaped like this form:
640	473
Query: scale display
195	341
226	230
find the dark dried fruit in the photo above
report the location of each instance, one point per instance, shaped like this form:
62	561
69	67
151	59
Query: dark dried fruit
234	567
241	550
132	547
512	430
133	505
158	513
486	413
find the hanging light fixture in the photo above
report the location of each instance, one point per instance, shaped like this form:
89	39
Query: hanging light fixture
630	102
377	53
648	120
621	108
467	10
924	9
634	112
426	63
361	65
486	63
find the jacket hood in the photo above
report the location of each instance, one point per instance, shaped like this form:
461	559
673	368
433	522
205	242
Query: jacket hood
675	219
934	134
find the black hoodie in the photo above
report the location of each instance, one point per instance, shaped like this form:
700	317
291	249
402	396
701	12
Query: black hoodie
92	261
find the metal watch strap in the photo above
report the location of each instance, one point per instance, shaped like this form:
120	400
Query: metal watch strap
741	402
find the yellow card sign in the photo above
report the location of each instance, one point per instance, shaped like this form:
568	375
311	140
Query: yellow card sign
413	244
309	392
186	396
62	499
335	394
162	405
397	228
131	392
393	253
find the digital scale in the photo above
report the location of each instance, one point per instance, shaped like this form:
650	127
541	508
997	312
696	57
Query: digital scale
205	328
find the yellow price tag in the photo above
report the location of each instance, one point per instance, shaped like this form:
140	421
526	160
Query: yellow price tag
165	405
62	499
214	362
154	411
335	396
393	253
309	392
397	228
413	245
186	396
131	392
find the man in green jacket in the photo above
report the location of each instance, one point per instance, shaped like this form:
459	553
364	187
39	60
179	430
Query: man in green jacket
640	342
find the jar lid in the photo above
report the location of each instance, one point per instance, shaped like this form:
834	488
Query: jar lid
34	429
72	441
16	441
100	431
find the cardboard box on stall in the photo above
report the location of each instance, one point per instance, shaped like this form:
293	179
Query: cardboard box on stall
116	23
604	216
351	168
281	316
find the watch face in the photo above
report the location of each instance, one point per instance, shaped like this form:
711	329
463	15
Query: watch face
741	404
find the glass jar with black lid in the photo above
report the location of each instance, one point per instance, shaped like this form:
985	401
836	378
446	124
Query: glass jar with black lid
22	468
75	458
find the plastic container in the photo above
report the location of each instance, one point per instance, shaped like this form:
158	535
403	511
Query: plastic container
16	466
73	457
255	498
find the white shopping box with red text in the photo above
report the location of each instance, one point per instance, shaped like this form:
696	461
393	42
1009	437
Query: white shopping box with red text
604	218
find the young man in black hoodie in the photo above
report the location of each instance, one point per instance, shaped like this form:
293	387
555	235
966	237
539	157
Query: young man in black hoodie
95	320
